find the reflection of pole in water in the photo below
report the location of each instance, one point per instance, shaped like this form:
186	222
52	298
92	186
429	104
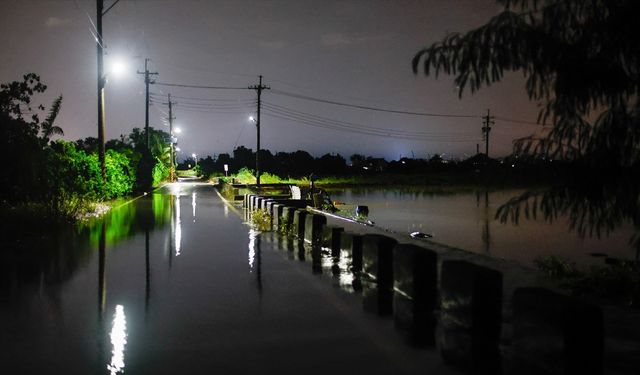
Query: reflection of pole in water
259	264
147	272
486	231
102	291
102	295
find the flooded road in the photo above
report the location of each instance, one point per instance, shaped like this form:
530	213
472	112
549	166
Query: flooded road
175	282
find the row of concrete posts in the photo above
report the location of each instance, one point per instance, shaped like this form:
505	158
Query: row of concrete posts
455	305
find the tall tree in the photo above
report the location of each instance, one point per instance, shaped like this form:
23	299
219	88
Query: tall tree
580	58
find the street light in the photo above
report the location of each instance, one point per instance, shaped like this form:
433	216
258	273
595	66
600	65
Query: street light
177	130
117	67
195	158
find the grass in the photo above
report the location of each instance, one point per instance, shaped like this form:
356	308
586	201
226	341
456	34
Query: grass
437	182
187	173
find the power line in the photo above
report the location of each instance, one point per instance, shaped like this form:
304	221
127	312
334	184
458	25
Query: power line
312	117
326	101
192	98
200	86
339	127
500	118
371	134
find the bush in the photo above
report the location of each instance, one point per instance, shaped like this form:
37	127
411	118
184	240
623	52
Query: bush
245	176
261	220
160	173
120	175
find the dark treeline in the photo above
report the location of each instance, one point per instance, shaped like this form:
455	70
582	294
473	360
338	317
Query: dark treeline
302	164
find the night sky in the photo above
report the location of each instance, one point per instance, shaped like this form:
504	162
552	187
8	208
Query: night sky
356	52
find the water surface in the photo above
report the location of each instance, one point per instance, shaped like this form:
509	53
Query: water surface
176	283
468	221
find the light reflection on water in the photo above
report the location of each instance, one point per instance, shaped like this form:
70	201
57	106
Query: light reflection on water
178	225
193	205
118	337
252	247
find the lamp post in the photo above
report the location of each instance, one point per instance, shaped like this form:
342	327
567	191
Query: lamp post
102	80
195	158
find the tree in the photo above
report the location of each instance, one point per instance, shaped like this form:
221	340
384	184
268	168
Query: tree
47	126
580	59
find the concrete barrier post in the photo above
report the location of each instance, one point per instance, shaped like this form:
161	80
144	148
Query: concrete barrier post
331	238
314	223
555	334
263	203
377	262
276	215
471	316
285	223
415	280
269	207
352	244
299	217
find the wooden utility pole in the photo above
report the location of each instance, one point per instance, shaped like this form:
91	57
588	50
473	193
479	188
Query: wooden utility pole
147	81
101	84
258	89
171	118
488	121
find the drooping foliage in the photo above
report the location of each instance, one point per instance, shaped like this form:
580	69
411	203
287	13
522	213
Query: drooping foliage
581	60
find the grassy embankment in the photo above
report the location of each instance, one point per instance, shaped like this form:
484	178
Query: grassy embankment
443	181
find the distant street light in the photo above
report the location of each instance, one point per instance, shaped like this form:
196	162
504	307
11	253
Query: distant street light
195	157
177	130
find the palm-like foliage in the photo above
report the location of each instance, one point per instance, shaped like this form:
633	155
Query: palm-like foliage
47	127
580	59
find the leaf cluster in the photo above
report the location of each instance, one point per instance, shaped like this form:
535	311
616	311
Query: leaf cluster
580	60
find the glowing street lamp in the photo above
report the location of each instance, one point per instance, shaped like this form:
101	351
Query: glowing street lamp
117	67
195	157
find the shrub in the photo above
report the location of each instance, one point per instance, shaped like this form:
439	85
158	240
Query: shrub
261	220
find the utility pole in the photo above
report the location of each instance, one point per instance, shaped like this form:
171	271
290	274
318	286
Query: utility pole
147	81
488	121
102	80
171	118
101	83
258	89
